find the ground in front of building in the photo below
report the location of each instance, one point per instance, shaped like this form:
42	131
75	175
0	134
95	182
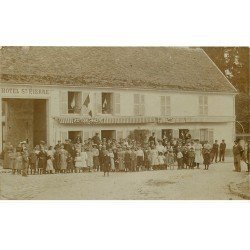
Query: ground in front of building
148	185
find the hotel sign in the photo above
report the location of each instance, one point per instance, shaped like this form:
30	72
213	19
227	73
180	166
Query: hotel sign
24	91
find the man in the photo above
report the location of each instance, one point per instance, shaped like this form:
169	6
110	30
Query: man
222	150
237	152
69	147
96	139
247	155
152	140
215	151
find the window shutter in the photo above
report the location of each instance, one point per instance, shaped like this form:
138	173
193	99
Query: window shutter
175	133
201	100
64	136
192	133
163	105
119	134
117	104
205	110
196	134
98	103
136	104
142	106
63	102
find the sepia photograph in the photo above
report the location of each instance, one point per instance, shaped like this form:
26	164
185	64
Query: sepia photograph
124	123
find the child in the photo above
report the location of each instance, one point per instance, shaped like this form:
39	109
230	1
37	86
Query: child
171	157
50	158
78	163
179	157
161	160
166	160
33	161
191	157
112	161
70	164
106	163
185	157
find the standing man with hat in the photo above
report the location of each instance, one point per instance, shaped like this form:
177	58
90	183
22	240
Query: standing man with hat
222	150
237	152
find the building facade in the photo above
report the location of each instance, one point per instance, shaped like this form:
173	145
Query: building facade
46	110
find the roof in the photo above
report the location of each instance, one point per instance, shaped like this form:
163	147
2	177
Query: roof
169	68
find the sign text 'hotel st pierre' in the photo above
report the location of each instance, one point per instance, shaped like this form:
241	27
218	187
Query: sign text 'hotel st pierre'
24	91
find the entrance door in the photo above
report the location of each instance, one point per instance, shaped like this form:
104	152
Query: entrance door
108	134
75	135
25	120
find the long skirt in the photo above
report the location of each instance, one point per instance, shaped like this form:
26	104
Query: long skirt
49	165
207	159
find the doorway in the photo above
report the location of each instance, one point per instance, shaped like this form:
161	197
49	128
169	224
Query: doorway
75	135
167	134
108	134
25	120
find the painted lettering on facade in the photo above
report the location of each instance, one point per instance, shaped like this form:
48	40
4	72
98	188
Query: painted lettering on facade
24	91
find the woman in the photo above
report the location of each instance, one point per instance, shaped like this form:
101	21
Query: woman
198	153
6	159
50	159
112	160
12	156
19	160
206	155
90	156
154	157
106	163
121	154
42	161
84	158
63	155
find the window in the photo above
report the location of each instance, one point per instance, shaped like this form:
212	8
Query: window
203	105
139	104
165	105
74	102
107	103
207	135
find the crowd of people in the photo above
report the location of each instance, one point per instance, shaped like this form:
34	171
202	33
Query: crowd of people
110	155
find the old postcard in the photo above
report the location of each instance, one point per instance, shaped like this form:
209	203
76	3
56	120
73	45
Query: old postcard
124	123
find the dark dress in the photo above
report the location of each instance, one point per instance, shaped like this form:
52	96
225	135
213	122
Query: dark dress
42	160
106	163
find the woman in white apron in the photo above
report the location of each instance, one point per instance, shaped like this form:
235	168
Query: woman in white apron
198	153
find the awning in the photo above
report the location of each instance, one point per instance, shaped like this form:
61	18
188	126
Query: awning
138	120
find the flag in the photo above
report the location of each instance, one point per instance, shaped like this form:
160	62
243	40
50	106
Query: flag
87	101
73	102
86	104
